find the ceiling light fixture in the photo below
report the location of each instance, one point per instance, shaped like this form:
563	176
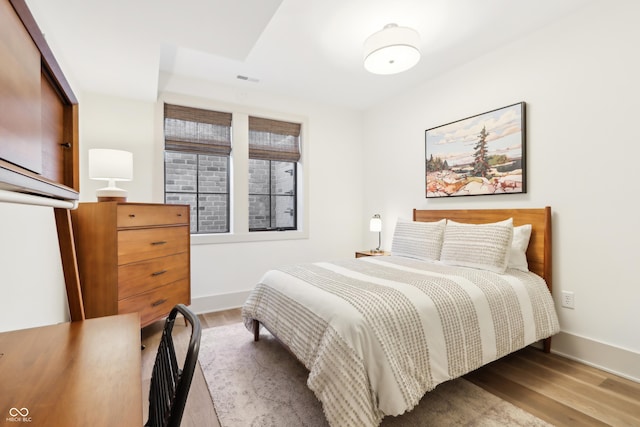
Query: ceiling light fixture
391	50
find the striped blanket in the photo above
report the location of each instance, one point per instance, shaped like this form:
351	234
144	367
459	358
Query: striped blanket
377	333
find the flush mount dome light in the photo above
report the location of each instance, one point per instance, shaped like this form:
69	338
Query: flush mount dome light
391	50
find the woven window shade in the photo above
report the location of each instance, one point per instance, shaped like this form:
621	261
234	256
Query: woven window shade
195	130
274	140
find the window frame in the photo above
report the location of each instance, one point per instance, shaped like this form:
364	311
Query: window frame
238	206
191	131
197	192
271	195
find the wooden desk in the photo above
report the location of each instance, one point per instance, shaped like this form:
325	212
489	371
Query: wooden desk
85	373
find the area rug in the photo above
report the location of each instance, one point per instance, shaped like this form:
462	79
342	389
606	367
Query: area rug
260	384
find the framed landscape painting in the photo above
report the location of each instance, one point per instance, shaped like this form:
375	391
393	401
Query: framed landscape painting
479	155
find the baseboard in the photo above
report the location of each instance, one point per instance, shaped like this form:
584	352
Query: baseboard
616	360
218	302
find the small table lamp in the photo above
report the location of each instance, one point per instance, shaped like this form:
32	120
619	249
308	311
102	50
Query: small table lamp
375	224
110	165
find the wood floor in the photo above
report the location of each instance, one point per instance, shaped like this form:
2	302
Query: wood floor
558	390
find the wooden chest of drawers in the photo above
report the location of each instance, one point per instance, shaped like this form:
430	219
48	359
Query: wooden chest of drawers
132	257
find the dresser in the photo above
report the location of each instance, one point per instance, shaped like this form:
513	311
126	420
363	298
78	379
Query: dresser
132	257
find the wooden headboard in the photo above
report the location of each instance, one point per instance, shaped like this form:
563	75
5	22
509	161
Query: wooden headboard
539	251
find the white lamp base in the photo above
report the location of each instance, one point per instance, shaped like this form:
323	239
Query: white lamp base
111	194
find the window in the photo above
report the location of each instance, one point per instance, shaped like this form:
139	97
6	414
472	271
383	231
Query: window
197	149
240	195
274	152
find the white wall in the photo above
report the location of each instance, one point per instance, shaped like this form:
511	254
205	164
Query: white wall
32	289
579	78
122	124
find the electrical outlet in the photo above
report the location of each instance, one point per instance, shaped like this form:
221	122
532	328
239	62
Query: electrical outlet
568	299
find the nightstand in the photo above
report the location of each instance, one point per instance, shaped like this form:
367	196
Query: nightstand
360	254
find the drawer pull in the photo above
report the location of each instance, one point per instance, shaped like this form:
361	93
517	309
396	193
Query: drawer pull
160	242
159	302
132	215
157	273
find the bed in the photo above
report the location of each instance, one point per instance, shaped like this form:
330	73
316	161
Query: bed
377	333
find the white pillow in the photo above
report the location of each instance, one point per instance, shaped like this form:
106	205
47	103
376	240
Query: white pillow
483	246
421	240
519	245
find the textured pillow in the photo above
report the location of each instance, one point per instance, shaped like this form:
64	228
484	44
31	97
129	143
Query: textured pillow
421	240
519	245
483	246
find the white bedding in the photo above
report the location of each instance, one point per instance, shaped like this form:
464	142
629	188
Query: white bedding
376	333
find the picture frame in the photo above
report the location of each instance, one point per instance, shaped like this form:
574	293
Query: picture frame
478	155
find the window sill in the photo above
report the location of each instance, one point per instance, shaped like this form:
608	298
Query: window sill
254	236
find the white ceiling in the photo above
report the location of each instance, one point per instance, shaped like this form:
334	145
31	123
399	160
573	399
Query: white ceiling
310	49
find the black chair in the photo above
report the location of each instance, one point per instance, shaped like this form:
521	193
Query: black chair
169	383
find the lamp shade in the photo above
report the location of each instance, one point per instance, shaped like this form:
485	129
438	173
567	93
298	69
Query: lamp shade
392	50
375	224
110	165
